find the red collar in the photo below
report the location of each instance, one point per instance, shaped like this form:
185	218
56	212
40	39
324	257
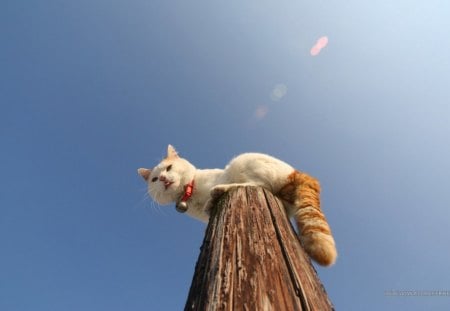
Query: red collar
188	189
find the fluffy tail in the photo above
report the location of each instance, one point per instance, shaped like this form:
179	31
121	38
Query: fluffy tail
303	193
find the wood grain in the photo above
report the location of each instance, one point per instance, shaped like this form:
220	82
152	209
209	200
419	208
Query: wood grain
251	259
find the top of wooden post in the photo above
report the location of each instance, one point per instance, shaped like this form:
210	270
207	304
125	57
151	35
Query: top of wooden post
251	259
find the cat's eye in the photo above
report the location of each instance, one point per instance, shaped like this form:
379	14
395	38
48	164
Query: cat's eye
169	167
154	179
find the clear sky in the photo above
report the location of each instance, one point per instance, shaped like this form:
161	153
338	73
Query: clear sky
90	90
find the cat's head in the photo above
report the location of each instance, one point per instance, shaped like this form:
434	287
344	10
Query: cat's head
167	180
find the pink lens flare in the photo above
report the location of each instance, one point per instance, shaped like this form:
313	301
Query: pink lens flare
261	112
315	51
320	44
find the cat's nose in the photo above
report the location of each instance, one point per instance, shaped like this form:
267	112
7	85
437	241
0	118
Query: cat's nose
162	178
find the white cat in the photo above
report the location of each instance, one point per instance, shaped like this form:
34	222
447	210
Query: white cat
177	180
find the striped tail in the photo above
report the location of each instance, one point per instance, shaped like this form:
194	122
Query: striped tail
302	192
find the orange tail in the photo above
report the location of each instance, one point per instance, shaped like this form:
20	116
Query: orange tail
302	192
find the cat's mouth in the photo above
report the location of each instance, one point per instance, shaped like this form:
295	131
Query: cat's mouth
167	184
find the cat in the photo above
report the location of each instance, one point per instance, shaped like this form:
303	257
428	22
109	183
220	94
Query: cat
176	180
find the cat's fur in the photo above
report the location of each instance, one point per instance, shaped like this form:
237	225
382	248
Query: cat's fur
298	191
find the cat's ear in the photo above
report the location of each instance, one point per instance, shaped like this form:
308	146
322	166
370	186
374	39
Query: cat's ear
145	173
171	152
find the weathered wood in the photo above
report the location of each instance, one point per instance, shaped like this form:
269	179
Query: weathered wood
251	259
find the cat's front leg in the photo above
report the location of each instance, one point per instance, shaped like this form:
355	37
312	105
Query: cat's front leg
217	191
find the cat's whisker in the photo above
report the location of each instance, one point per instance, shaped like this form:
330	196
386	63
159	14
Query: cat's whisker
157	208
141	202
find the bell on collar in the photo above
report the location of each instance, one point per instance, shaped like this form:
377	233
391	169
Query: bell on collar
181	207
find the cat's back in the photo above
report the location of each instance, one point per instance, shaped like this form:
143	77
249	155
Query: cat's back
258	168
254	159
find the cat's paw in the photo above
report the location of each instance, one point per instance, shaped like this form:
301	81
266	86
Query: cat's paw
217	191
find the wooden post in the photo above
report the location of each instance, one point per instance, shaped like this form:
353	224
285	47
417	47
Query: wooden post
251	259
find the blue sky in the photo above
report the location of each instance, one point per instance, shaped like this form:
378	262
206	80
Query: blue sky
92	90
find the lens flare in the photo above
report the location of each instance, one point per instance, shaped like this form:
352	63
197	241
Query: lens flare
261	112
320	44
278	92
